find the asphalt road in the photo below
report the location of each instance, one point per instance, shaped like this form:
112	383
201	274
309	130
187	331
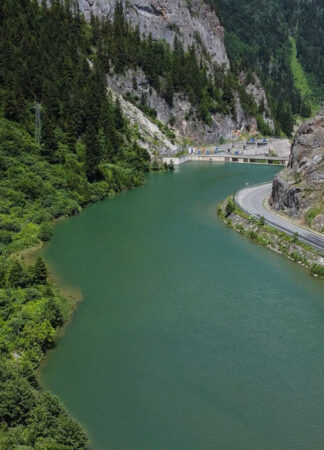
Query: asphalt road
251	201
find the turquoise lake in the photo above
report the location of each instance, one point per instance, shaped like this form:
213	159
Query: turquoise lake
189	336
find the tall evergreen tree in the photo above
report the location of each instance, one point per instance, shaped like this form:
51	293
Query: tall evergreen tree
93	153
16	275
40	271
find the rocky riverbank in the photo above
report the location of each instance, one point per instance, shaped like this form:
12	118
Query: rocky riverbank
267	236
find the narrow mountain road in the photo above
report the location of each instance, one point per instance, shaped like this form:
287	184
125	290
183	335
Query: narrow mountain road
251	200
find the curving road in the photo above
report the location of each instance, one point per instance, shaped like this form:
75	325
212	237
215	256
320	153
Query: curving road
251	200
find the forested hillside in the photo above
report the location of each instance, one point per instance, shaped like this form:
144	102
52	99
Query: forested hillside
64	142
257	38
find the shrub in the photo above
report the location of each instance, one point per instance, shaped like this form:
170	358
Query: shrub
317	270
9	225
45	232
5	237
230	207
253	235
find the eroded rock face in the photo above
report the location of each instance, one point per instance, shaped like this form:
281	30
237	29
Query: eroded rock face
149	135
194	21
188	127
258	93
299	189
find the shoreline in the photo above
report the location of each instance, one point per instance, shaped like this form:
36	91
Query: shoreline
69	298
270	237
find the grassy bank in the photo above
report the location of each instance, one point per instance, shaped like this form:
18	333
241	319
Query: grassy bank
267	236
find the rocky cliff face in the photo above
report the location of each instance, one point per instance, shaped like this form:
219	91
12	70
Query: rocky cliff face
299	189
187	126
193	22
255	89
149	135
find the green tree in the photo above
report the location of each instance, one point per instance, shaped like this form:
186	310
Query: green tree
286	121
53	313
93	154
16	276
169	89
45	232
40	271
230	207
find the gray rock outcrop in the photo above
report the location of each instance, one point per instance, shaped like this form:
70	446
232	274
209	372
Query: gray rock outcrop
193	22
188	127
299	189
258	93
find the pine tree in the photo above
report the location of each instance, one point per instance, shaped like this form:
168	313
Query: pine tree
14	105
48	139
119	118
40	271
119	26
285	119
93	153
53	312
169	89
16	275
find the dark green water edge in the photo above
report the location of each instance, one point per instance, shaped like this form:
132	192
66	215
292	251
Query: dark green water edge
189	337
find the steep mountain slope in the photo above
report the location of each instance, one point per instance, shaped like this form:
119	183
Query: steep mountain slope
299	189
260	34
193	22
196	93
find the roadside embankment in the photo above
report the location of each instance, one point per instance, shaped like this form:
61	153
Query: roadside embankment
254	201
266	235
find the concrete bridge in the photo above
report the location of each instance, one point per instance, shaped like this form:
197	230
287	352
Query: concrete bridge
220	158
243	158
272	151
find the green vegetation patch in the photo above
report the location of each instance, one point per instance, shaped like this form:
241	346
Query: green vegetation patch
300	77
31	314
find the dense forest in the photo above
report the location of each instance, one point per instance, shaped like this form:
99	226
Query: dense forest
257	38
64	142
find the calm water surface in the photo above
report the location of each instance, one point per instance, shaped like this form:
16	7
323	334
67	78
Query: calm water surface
189	337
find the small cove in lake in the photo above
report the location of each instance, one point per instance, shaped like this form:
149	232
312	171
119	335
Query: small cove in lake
189	337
